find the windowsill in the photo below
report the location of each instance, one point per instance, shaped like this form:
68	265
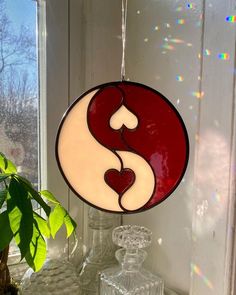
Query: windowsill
17	270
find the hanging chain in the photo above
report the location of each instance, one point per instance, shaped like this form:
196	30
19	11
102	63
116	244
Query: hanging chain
123	28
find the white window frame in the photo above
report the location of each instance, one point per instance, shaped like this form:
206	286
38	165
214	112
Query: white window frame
55	96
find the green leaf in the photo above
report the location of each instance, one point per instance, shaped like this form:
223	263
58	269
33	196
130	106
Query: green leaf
42	225
49	196
5	231
70	224
24	180
3	197
3	161
11	168
20	213
6	165
34	194
36	255
4	176
56	219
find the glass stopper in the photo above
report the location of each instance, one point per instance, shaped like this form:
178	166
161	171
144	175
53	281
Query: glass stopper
132	236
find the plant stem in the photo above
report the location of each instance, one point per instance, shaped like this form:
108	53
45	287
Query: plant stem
5	279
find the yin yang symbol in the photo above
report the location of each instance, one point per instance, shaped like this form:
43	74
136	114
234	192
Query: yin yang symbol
122	147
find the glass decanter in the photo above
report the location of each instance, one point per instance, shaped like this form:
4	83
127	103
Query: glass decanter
130	278
101	253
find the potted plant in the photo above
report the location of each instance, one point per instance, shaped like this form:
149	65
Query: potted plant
20	222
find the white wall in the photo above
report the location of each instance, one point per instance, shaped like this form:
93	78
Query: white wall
150	63
195	225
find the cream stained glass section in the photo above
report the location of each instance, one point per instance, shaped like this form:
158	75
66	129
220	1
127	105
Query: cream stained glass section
142	189
84	161
123	117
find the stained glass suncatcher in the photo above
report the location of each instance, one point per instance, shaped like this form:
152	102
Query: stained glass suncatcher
122	147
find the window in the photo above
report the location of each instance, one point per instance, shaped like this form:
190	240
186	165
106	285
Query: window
171	50
19	87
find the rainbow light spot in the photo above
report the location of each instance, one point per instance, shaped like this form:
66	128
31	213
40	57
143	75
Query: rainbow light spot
217	197
207	52
190	5
196	269
167	46
179	78
180	8
231	18
224	56
180	21
198	94
177	41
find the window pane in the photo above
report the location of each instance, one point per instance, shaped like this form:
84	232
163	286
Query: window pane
19	89
19	85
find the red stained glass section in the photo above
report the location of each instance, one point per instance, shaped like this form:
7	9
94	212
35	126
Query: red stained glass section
160	137
120	181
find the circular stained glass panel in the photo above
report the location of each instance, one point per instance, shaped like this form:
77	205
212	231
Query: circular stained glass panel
122	147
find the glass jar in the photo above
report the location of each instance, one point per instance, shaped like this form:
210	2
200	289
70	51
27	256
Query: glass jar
101	253
57	277
130	278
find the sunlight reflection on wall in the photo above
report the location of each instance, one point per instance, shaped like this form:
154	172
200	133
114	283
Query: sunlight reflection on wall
211	180
196	270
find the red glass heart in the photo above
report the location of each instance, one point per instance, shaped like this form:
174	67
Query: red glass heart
120	181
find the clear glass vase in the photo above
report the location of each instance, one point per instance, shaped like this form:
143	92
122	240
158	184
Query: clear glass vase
130	278
101	253
57	277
